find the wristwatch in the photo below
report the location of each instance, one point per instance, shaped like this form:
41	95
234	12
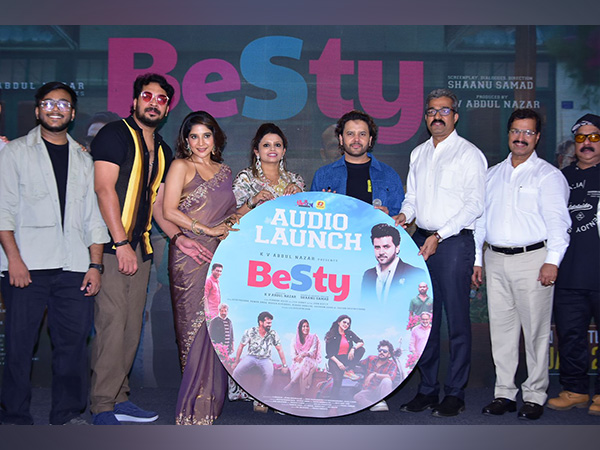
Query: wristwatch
98	267
438	237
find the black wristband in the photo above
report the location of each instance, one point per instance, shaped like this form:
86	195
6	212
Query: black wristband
121	243
98	267
175	236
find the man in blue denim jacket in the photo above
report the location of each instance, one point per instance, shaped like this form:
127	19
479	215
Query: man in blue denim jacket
358	174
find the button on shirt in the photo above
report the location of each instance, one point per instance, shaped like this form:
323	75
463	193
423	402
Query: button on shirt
445	186
525	205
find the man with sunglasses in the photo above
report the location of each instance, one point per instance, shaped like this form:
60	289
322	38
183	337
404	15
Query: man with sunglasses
525	224
445	191
577	290
51	232
131	162
381	377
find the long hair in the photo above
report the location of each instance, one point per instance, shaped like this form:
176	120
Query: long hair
300	334
334	327
200	118
263	130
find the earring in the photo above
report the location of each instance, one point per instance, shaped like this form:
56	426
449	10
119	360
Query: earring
281	169
213	150
258	167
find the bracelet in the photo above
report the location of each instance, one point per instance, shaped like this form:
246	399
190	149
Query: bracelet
194	229
249	204
175	236
121	243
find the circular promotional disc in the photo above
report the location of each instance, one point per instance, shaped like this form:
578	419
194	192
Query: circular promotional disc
322	320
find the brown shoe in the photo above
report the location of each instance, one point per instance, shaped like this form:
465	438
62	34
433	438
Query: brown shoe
595	406
567	400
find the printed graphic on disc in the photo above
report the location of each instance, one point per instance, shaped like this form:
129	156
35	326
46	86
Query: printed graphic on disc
325	306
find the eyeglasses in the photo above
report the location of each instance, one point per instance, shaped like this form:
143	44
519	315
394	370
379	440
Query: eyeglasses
49	104
516	131
443	111
593	137
382	350
161	99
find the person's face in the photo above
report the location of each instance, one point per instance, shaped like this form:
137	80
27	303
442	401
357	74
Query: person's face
223	312
305	328
426	321
587	152
201	141
355	139
55	120
344	324
423	288
217	272
520	144
266	324
438	125
150	113
270	148
383	352
385	250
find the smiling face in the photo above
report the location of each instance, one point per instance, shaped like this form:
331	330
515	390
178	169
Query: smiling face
217	271
344	324
55	120
305	328
223	310
201	142
150	113
385	250
440	126
520	144
270	149
587	152
266	324
383	352
355	140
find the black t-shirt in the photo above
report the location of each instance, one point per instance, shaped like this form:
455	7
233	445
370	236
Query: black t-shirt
59	155
580	268
358	184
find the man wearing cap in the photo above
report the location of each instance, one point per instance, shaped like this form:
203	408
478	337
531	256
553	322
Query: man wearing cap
577	290
525	224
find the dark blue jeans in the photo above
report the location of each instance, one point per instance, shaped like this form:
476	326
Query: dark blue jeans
70	316
450	268
573	310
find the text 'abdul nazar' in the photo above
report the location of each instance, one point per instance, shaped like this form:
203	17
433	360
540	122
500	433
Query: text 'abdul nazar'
330	236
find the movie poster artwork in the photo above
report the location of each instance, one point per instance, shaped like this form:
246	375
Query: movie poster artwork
306	323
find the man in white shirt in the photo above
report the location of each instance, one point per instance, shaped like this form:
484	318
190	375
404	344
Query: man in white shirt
525	224
445	192
51	232
3	139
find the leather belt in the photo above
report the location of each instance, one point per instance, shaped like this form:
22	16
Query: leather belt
518	250
425	232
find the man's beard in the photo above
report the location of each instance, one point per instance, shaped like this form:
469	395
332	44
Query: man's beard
55	128
153	123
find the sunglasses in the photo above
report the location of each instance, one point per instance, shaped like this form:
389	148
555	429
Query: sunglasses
580	138
48	105
161	99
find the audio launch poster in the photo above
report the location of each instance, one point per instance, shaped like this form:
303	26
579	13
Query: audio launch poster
307	267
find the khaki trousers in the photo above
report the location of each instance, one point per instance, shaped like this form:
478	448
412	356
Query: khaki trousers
118	315
517	301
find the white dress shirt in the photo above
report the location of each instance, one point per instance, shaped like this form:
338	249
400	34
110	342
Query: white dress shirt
525	205
445	186
384	279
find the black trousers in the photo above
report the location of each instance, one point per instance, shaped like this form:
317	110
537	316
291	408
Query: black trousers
338	374
573	309
70	316
450	269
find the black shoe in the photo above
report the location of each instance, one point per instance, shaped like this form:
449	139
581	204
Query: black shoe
450	406
499	406
421	402
531	411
